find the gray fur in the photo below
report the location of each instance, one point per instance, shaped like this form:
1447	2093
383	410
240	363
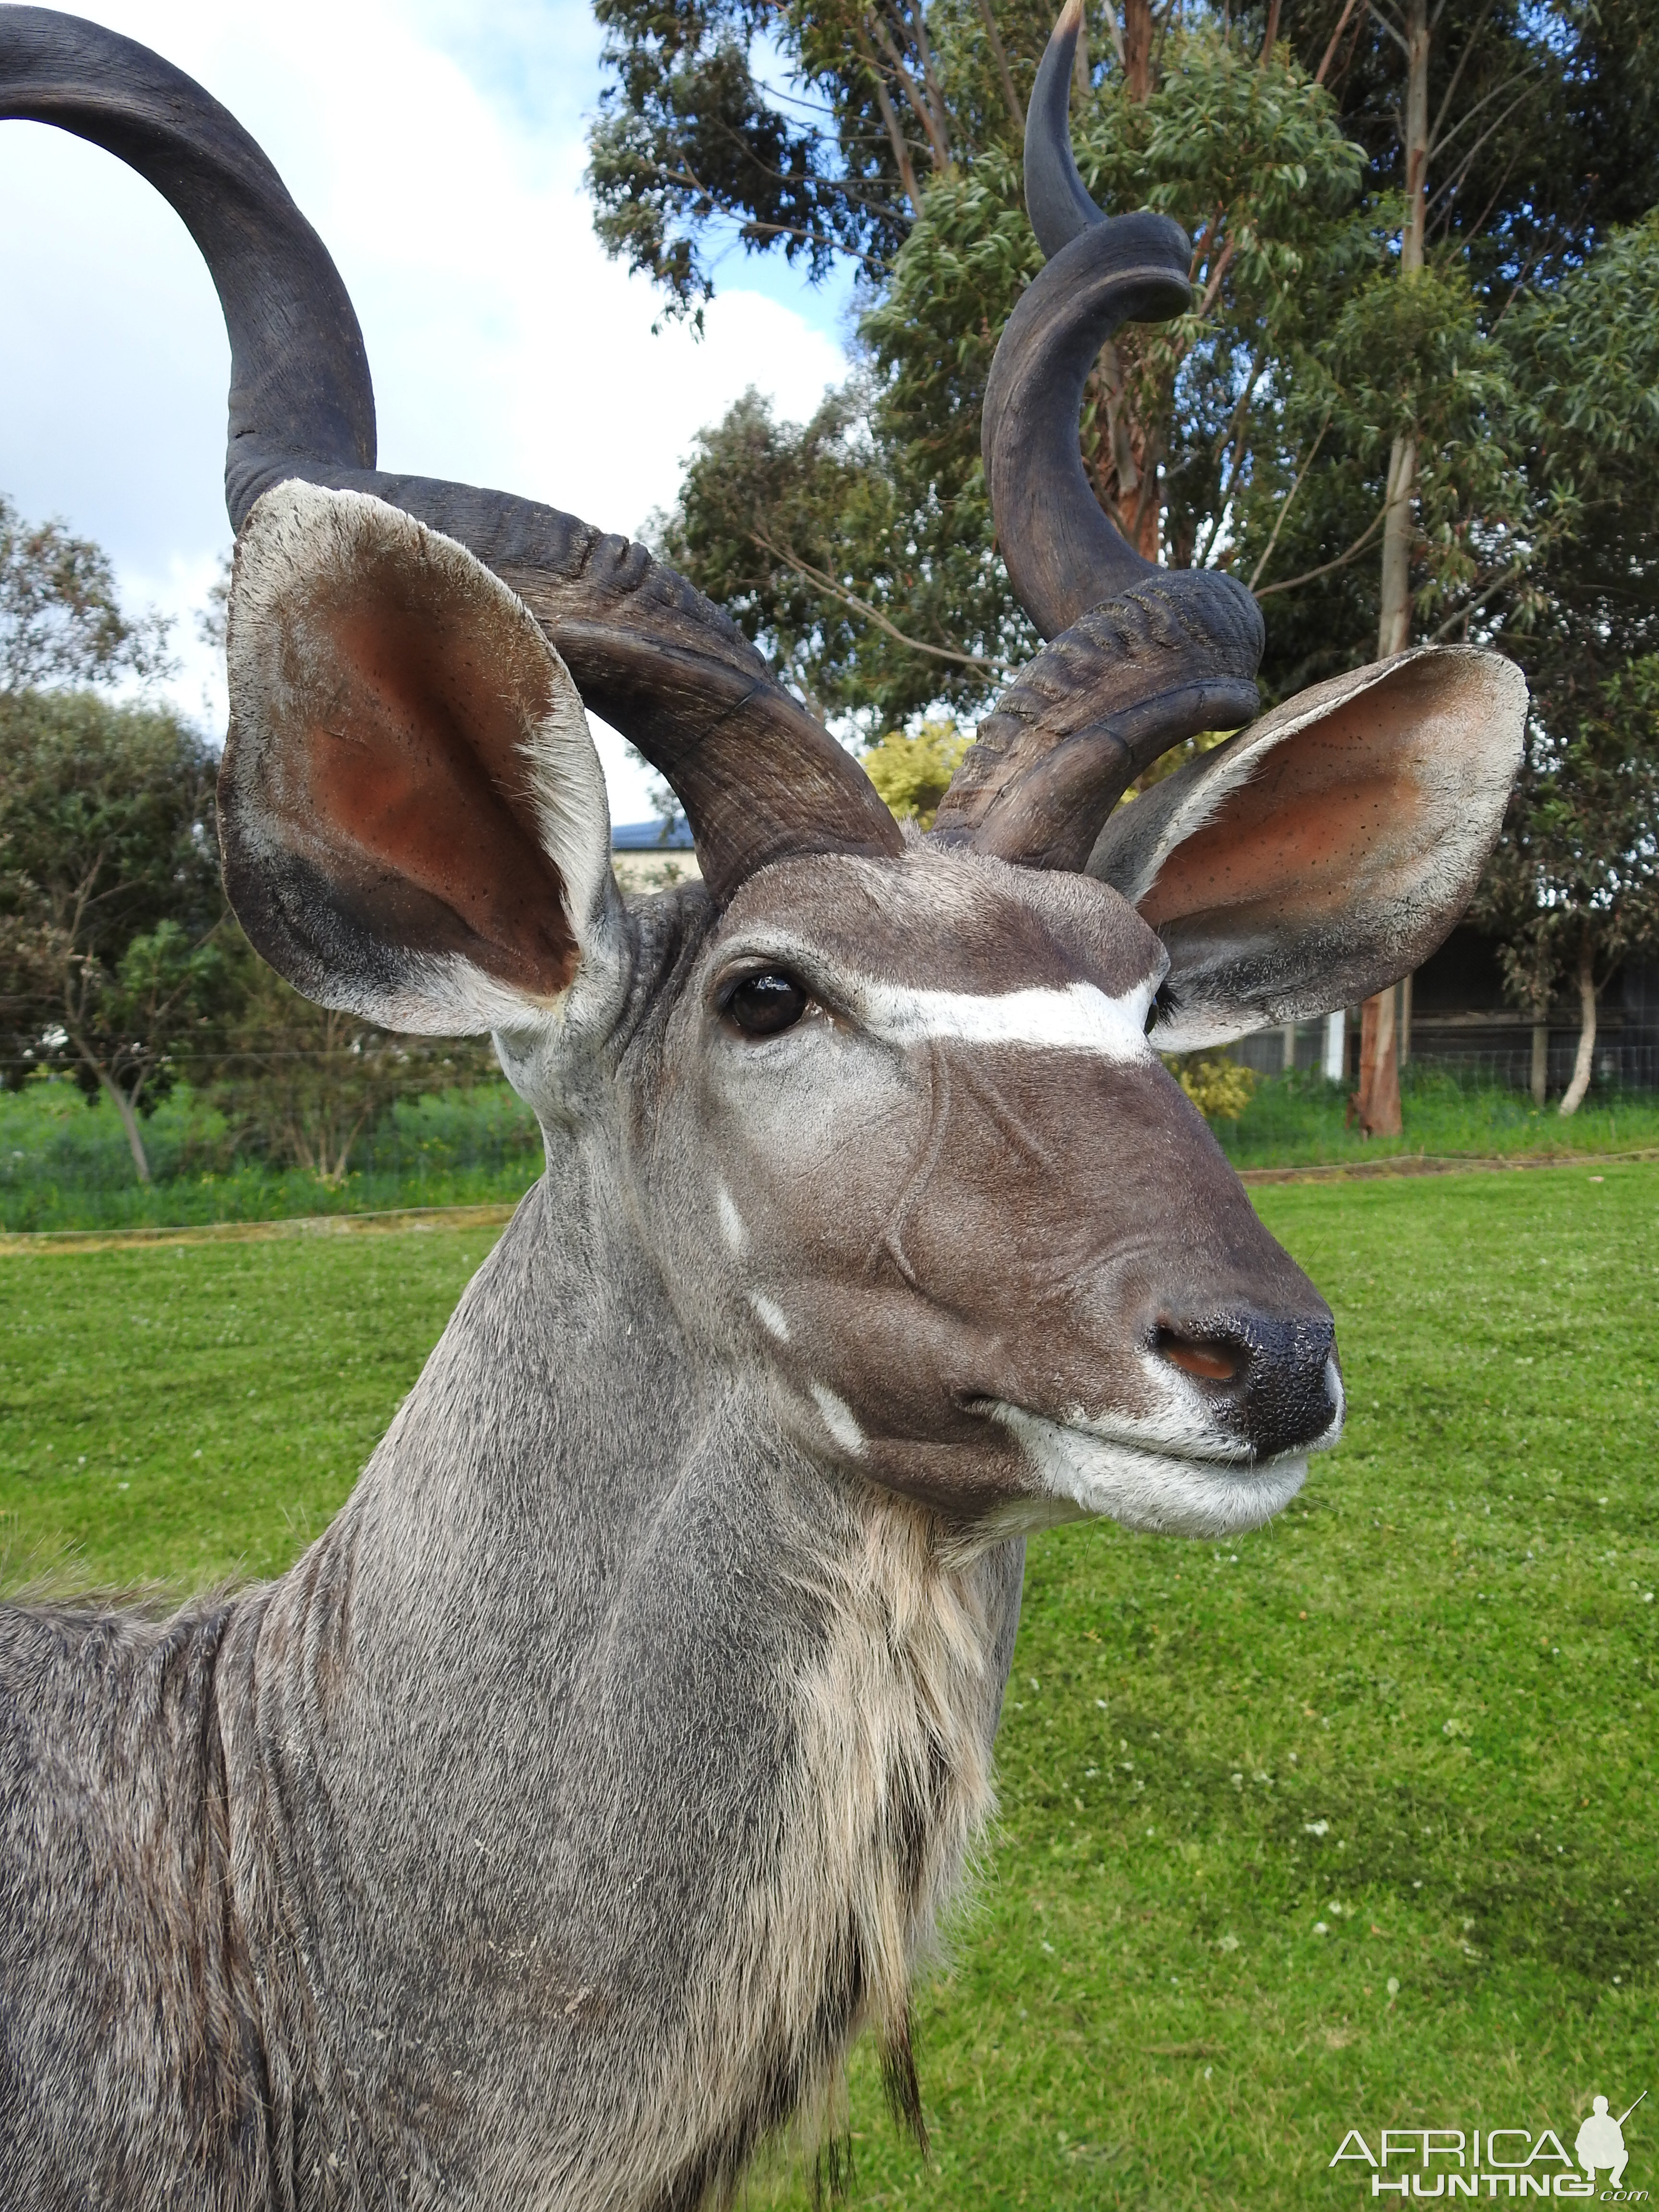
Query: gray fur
478	1861
545	1836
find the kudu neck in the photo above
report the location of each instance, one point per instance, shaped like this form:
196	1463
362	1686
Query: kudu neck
640	1745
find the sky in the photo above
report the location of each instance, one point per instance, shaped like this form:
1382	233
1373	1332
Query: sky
437	147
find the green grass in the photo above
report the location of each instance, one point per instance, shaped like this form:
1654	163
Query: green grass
1420	1710
66	1165
191	1412
1302	1121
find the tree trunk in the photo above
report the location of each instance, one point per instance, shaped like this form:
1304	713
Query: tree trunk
1377	1100
1004	77
1541	1063
124	1107
1394	627
1138	50
1573	1097
1125	471
896	138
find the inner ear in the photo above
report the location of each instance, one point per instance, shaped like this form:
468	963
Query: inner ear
1322	818
1325	851
412	760
409	791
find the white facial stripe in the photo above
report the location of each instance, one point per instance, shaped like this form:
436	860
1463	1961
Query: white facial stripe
1078	1018
838	1420
770	1315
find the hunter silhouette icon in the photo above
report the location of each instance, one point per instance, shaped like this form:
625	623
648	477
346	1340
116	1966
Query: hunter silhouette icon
1601	2141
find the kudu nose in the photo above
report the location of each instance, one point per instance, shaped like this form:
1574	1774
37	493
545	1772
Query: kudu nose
1273	1379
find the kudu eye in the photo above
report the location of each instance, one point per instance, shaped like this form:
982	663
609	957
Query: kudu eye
763	1005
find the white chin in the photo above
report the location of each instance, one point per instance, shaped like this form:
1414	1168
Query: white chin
1157	1492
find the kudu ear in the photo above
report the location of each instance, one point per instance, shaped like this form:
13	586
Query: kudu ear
1325	851
412	814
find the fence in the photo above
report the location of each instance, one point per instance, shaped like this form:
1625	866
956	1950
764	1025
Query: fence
1479	1051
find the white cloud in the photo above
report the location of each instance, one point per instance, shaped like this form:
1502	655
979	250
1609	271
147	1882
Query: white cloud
439	157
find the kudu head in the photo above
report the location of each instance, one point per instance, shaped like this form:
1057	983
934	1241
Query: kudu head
886	1114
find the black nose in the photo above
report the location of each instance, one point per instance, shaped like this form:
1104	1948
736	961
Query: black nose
1273	1379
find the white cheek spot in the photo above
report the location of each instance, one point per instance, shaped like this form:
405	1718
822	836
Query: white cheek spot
733	1227
838	1420
1078	1018
770	1315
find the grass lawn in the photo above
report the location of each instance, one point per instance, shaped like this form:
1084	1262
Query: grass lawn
186	1412
1349	1824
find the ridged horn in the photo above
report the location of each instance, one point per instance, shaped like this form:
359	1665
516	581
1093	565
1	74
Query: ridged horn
759	777
1142	657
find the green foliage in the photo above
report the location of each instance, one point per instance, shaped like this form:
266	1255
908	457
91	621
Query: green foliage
799	131
1255	434
60	621
1523	359
1220	1087
1303	1121
299	1085
110	902
476	1144
1572	883
64	1168
1585	361
912	771
1577	874
1126	2017
816	537
687	141
857	549
1544	122
1589	351
118	961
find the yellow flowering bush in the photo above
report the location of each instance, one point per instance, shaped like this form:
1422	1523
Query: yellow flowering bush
1220	1088
912	773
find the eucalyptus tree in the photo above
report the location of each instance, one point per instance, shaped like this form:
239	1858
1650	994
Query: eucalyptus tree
1416	400
61	617
858	547
1575	887
109	899
109	893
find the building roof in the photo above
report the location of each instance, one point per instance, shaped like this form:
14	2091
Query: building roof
653	837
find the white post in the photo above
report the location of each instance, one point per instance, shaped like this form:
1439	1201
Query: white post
1336	1045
